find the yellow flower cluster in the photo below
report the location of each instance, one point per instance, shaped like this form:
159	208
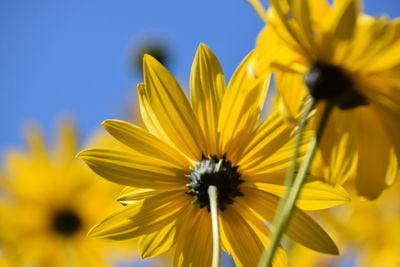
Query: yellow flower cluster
211	172
48	203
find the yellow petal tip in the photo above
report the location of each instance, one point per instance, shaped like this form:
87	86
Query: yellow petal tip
82	154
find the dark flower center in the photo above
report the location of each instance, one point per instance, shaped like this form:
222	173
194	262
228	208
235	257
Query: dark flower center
66	222
214	171
333	84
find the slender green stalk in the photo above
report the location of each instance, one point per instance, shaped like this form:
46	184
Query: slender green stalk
291	172
213	195
287	204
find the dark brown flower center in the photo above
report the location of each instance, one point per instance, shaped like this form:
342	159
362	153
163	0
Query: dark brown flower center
332	83
218	172
66	222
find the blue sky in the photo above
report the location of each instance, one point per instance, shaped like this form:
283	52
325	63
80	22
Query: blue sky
73	57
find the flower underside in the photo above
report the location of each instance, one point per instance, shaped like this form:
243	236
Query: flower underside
218	172
331	83
66	222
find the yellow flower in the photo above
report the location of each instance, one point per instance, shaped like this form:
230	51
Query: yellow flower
50	201
214	140
365	244
350	61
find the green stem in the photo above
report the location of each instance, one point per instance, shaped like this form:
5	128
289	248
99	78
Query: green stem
213	195
287	203
290	174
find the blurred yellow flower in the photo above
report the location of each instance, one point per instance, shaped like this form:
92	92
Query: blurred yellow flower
186	147
368	234
350	61
48	203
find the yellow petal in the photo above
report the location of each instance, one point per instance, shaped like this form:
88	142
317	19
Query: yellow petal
270	53
117	225
314	195
240	239
335	161
241	107
269	137
393	170
388	110
142	217
373	154
36	144
143	142
207	88
341	21
67	142
291	95
241	226
172	118
373	38
385	51
194	241
300	10
132	169
158	242
302	228
130	195
244	236
286	27
259	8
276	164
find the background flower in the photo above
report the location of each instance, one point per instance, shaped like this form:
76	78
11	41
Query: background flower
49	201
345	59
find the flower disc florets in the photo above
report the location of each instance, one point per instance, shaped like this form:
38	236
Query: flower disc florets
214	171
66	222
333	84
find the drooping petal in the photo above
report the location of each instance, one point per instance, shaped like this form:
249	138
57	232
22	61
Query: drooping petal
167	112
241	107
387	108
335	161
244	236
144	142
314	195
301	228
194	241
133	169
207	88
373	157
